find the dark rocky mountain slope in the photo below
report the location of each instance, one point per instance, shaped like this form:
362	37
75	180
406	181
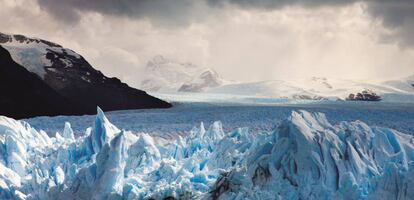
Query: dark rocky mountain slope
53	80
23	94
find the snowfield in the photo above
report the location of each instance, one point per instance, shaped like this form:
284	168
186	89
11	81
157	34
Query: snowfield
321	88
303	157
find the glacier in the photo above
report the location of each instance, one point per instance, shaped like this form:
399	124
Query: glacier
305	157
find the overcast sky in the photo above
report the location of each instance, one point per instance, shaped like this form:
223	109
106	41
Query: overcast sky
245	40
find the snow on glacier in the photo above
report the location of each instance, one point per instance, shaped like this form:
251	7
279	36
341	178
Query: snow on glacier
305	157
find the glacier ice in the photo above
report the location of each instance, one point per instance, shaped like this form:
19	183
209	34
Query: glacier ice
305	157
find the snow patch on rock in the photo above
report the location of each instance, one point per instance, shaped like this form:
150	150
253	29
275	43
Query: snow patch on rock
32	53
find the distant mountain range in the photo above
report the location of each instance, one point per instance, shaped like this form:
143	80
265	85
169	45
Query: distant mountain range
39	77
319	88
165	75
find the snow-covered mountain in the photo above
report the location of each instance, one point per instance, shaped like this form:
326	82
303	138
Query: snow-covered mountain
166	75
25	94
38	56
207	78
305	157
273	89
319	88
404	85
69	75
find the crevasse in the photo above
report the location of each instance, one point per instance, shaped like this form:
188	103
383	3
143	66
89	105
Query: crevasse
306	157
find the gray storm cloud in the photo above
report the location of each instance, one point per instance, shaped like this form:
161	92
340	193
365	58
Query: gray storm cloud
398	15
170	12
242	40
274	4
395	14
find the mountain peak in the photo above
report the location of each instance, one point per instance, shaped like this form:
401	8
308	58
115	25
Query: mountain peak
157	60
38	55
164	74
206	79
17	38
68	76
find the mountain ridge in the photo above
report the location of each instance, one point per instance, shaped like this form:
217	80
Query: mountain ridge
165	75
28	95
73	78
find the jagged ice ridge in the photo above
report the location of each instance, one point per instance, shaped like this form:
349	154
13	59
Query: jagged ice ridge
304	158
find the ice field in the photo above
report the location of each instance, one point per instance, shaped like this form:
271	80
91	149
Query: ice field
244	149
305	157
234	112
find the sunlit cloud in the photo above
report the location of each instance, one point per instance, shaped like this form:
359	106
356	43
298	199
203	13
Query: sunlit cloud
246	42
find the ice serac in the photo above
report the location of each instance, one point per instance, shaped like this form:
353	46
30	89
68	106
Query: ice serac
68	132
305	157
308	158
109	169
103	131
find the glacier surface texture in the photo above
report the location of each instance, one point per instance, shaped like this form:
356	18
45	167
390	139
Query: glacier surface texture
305	157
